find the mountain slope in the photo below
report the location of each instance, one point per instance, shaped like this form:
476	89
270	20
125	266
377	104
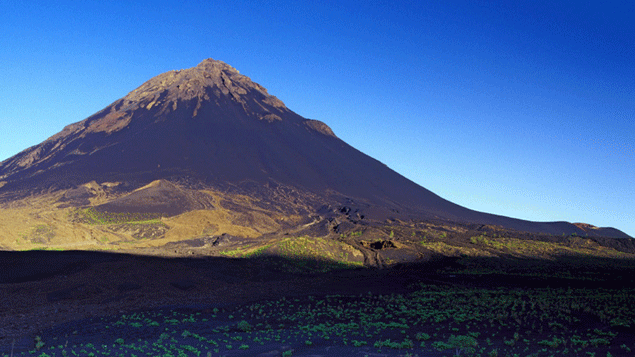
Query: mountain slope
210	126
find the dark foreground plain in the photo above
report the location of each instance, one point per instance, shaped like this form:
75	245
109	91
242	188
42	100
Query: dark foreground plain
90	303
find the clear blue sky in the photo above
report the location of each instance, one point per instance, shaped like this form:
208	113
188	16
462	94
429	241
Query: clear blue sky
519	108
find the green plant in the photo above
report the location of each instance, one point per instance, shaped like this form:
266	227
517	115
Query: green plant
462	343
38	343
553	343
441	345
422	336
243	326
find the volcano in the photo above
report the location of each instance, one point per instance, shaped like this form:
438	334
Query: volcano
206	138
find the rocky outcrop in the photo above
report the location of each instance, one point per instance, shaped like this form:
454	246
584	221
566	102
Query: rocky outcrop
319	126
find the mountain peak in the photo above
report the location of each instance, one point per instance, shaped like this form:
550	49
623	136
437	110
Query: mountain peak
210	126
211	81
211	64
212	86
210	78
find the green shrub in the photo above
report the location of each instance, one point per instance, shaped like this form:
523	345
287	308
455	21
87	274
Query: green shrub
422	336
244	326
463	343
441	346
554	343
38	343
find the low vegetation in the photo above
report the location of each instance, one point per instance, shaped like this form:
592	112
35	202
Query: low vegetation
302	254
92	216
433	320
532	248
570	246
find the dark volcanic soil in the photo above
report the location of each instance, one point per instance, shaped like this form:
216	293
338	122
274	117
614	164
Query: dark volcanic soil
56	294
42	289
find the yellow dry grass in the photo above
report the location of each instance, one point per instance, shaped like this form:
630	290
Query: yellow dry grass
40	223
452	251
31	221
